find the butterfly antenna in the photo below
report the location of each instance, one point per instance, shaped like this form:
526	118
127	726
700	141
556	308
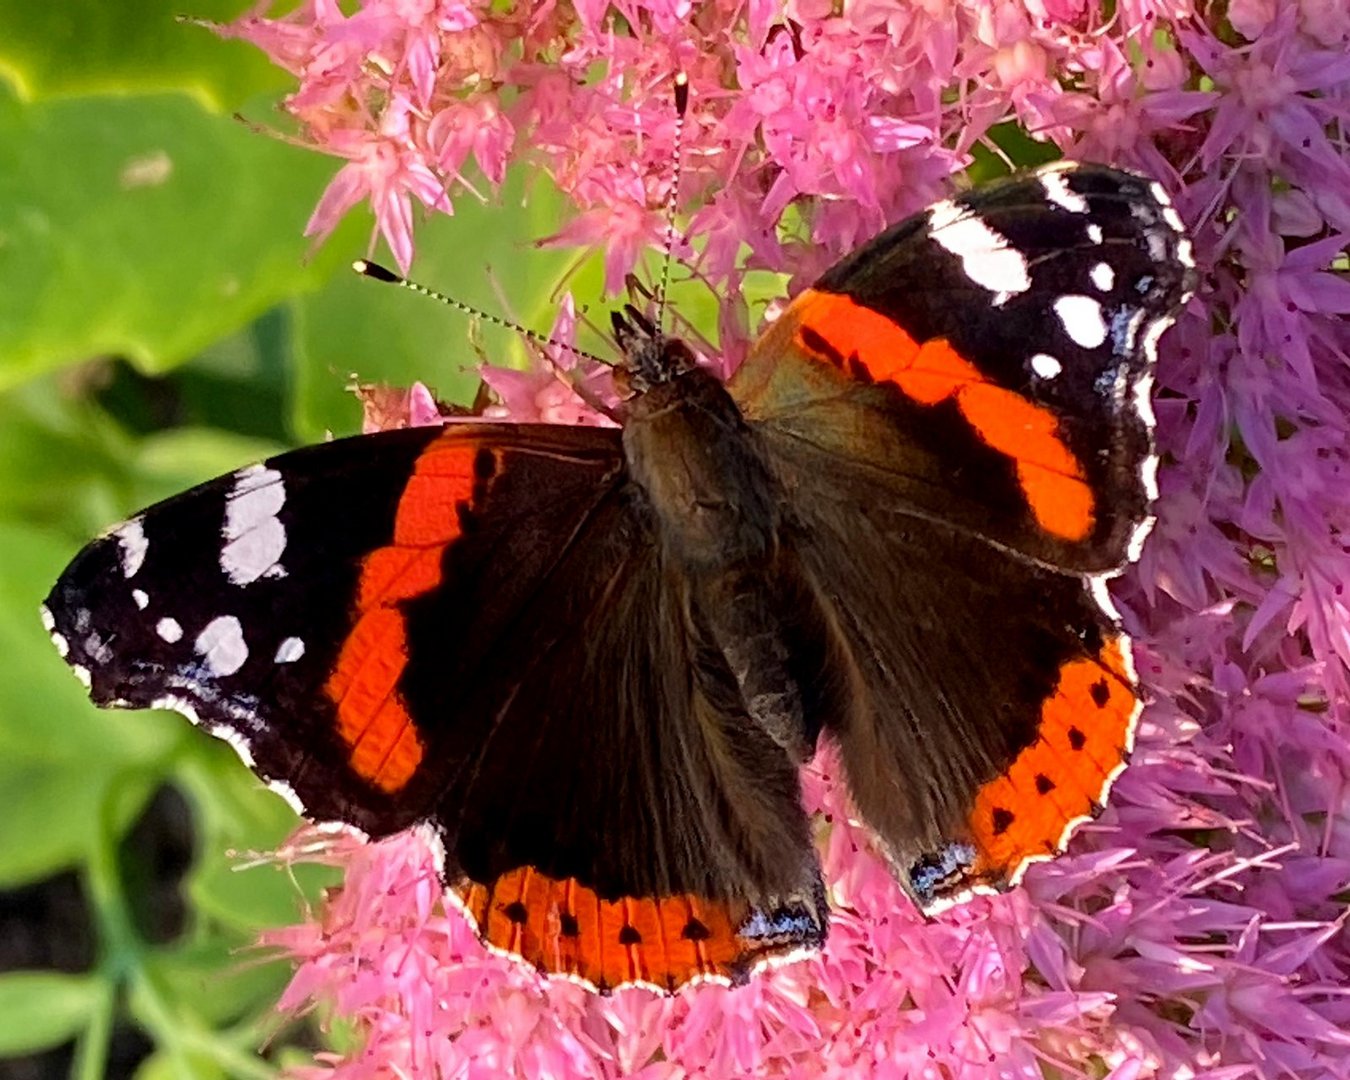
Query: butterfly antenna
673	199
374	270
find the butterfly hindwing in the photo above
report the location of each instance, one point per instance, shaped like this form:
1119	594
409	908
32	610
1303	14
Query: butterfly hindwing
996	701
618	786
469	627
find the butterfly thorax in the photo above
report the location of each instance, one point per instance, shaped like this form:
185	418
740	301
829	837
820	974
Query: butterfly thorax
701	469
649	357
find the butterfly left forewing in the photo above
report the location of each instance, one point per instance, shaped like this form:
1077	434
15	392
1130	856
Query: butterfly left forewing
470	628
263	604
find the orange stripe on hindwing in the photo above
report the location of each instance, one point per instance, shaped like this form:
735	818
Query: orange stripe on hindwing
564	928
372	718
832	327
1062	778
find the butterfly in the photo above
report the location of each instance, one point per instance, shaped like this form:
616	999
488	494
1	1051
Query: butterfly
588	662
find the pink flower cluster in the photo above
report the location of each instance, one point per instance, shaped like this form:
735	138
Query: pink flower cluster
1199	928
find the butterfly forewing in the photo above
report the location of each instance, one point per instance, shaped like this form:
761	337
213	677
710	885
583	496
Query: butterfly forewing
989	361
469	627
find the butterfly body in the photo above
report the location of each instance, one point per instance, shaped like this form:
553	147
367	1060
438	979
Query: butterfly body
590	661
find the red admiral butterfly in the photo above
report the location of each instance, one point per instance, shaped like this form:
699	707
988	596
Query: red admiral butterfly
590	660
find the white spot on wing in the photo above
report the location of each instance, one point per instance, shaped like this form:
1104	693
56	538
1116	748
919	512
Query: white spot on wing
131	536
82	673
97	648
290	650
1082	319
253	534
141	597
1094	232
1103	276
1057	190
169	630
221	645
1046	366
1169	213
985	255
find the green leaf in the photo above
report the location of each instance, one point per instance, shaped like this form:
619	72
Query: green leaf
42	1009
61	463
176	460
60	813
50	821
164	1065
240	823
219	979
1008	143
383	334
144	227
116	46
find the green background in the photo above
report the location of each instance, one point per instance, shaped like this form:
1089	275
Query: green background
162	320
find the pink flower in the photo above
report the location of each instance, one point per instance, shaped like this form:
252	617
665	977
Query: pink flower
1198	927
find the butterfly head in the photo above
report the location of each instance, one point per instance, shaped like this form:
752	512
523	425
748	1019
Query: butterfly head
649	357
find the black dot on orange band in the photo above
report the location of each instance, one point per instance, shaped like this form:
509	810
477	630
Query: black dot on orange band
629	935
1044	784
516	912
695	931
1002	820
568	925
1101	693
1077	739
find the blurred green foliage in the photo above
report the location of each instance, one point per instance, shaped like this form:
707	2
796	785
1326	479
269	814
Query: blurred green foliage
162	320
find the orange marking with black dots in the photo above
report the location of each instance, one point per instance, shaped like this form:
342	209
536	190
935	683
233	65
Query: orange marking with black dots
564	928
832	327
372	719
1061	779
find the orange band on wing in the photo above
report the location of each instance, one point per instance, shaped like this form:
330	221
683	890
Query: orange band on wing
385	747
1061	779
833	327
564	928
